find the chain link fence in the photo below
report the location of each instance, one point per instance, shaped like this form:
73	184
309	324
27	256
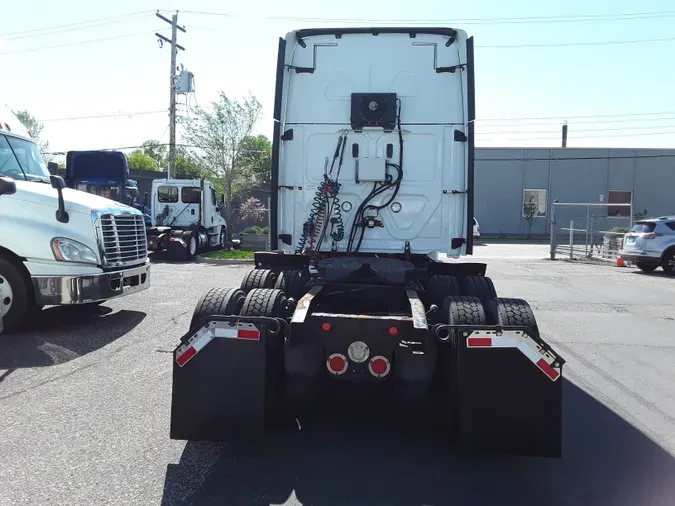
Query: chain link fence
588	231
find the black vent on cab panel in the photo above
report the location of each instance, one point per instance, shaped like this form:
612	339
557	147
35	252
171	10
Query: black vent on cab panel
373	110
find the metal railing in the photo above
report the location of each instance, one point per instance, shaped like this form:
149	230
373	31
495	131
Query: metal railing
593	236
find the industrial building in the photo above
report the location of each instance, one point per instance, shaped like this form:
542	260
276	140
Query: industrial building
508	178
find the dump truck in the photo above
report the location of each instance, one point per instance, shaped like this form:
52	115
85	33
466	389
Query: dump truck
365	294
104	173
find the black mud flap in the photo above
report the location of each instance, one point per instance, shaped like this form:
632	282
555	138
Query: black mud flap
509	396
218	391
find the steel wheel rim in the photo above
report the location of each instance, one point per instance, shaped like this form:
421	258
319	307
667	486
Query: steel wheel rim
7	296
193	245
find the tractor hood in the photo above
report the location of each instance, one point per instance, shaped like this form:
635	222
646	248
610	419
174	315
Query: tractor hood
75	201
95	166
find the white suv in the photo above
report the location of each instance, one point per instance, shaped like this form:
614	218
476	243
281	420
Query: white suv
651	243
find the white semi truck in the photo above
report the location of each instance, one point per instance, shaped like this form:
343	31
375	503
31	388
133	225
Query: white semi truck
59	245
186	218
356	307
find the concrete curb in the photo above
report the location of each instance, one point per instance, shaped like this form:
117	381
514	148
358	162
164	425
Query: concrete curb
222	261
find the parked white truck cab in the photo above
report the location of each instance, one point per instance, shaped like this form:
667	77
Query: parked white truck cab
186	218
59	245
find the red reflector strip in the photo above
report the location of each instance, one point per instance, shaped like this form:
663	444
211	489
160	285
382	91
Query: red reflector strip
479	342
187	355
548	370
248	334
244	331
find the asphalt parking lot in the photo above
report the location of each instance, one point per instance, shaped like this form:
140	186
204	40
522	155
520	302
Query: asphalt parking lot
85	398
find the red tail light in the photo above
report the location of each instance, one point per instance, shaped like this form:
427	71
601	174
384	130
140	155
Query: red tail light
653	235
337	363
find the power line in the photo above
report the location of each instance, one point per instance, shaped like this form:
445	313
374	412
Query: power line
612	136
571	44
530	132
79	23
455	22
70	44
66	29
515	118
104	115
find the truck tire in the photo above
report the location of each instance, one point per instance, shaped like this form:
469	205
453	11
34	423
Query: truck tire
646	266
292	282
511	312
218	301
222	241
271	303
19	308
456	311
192	246
441	286
478	286
668	263
258	278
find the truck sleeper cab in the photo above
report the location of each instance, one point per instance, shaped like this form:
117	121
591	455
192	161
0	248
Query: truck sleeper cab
59	245
372	184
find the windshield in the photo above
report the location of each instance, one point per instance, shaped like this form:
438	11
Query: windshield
20	159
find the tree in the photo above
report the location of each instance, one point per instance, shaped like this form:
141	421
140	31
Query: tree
187	166
252	212
157	151
530	212
255	161
219	136
35	128
139	160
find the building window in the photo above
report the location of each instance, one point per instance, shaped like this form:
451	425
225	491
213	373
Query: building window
619	197
535	199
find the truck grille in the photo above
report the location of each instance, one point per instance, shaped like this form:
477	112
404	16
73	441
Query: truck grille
124	240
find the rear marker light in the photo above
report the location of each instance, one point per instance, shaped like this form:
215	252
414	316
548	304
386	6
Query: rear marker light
325	327
337	364
393	331
379	366
545	361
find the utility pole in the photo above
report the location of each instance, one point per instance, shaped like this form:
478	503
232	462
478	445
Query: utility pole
172	84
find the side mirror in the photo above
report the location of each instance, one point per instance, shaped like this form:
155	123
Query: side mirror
222	200
145	198
59	184
53	168
7	186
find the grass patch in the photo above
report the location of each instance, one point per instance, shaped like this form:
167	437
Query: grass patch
232	254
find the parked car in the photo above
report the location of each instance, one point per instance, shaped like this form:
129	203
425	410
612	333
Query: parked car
650	244
476	228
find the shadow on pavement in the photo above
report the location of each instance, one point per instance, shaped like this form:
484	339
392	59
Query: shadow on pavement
63	333
606	461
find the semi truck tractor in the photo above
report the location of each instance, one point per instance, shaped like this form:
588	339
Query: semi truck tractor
59	245
364	295
186	218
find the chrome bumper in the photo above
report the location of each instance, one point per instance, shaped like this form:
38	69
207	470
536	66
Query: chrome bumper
58	290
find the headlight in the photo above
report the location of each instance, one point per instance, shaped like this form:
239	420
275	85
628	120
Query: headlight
67	250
